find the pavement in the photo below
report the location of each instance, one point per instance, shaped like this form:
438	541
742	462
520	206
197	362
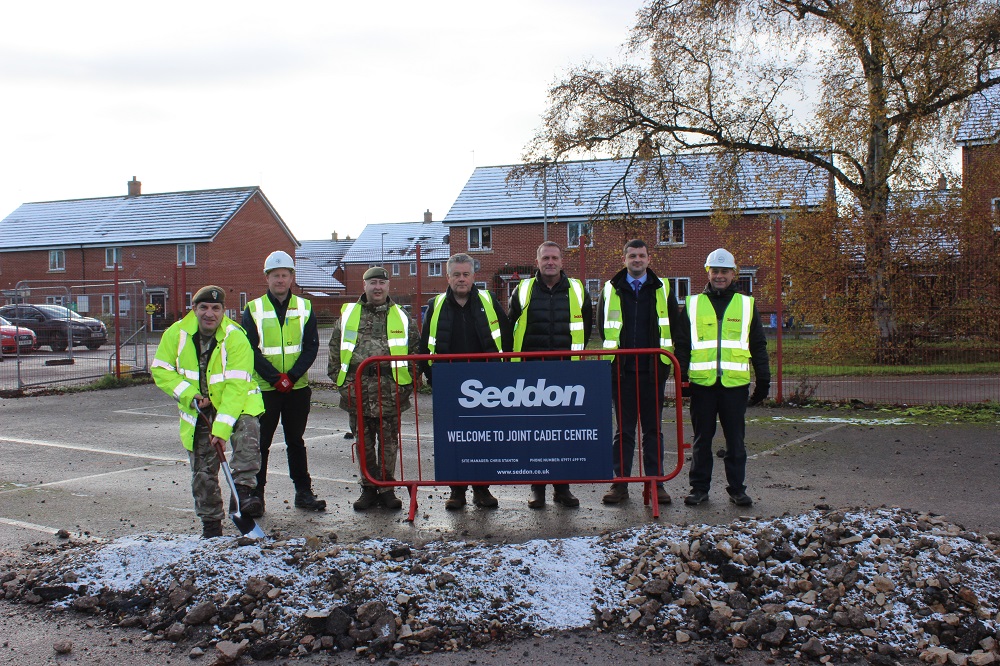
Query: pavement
106	464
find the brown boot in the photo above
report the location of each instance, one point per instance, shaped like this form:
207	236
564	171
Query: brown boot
211	529
481	496
368	499
537	499
457	499
388	499
563	496
617	494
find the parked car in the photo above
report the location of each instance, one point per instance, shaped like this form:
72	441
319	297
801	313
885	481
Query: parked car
12	337
50	323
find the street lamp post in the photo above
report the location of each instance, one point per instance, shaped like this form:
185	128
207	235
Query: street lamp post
545	199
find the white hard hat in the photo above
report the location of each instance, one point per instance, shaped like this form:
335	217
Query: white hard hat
278	259
720	259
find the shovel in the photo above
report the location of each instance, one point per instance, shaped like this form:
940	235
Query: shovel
247	526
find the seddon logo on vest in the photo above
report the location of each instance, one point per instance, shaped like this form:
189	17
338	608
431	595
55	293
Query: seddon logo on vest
519	395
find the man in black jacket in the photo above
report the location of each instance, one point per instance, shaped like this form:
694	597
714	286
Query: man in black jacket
726	337
464	320
637	310
550	311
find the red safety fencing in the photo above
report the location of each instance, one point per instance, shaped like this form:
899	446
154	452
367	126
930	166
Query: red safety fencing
407	458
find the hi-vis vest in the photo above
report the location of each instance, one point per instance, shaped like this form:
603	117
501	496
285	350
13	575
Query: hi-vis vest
280	344
720	349
576	297
231	386
491	317
397	325
613	319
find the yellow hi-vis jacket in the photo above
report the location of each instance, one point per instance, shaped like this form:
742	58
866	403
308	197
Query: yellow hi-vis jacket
720	349
491	317
397	334
613	319
576	331
231	386
280	344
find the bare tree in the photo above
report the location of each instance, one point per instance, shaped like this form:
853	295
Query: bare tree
868	90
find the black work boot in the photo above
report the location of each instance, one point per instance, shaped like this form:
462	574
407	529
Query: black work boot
537	499
388	499
368	499
258	492
457	499
304	499
251	506
211	529
562	495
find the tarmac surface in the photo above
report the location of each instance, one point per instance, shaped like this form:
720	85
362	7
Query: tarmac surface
108	463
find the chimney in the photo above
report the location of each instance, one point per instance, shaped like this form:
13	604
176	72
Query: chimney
134	187
334	236
942	183
427	216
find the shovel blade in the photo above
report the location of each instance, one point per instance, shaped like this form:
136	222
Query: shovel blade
248	527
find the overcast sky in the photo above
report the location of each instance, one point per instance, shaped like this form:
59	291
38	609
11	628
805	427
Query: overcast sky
345	114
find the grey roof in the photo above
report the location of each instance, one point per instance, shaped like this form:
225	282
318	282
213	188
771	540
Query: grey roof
982	118
172	217
311	275
316	261
399	243
577	190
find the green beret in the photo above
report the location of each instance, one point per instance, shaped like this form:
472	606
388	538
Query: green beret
376	272
209	294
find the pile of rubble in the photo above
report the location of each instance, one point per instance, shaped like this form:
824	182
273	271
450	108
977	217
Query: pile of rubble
827	585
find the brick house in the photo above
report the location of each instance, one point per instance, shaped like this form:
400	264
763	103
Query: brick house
175	242
979	137
501	222
395	246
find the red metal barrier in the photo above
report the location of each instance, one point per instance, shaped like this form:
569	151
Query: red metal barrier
649	481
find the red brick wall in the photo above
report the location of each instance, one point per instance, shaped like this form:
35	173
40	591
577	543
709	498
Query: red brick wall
981	177
402	287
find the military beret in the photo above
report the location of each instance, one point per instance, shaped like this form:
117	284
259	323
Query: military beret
376	272
209	294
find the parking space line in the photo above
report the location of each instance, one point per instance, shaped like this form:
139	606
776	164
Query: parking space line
89	449
28	526
771	452
75	479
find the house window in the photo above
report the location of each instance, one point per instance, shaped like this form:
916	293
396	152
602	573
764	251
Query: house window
55	300
413	268
112	257
395	269
106	300
680	288
480	238
481	286
670	231
187	300
593	289
243	301
745	281
185	254
576	229
996	214
434	269
57	260
124	304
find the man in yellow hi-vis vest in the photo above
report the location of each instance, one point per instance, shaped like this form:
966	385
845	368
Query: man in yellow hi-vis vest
464	320
375	326
549	312
282	330
637	310
726	337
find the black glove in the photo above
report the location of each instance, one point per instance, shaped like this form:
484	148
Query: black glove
685	389
759	394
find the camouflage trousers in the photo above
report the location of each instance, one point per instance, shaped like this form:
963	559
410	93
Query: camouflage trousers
244	464
381	438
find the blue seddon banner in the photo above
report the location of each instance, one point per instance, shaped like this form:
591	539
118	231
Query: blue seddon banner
538	422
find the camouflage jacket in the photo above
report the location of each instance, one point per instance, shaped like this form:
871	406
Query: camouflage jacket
377	386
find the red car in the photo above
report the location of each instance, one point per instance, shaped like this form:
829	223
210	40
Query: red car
11	335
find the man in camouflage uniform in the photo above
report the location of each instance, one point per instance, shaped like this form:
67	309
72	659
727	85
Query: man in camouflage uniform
375	326
205	359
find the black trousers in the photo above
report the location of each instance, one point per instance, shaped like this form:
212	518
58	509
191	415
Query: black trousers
638	399
730	406
292	409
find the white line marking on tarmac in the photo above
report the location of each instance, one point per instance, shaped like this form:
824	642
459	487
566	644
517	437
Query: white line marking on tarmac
28	526
75	479
89	449
142	411
771	452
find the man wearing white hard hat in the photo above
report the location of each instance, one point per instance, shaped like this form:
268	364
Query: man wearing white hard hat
282	330
726	338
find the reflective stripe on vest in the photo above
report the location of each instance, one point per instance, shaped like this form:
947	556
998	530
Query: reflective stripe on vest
395	320
613	319
491	317
280	344
576	332
720	349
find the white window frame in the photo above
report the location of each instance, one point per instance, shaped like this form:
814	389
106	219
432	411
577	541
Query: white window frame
479	246
395	268
186	252
481	286
243	301
675	284
750	274
106	301
55	300
672	223
593	288
413	268
187	300
112	255
434	269
57	260
576	229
